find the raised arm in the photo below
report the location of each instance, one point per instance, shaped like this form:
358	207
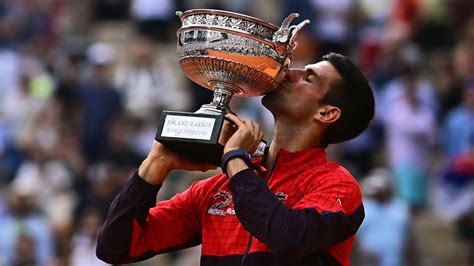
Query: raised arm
328	214
322	218
136	228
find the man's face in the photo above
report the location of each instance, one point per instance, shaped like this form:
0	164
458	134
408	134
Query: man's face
299	94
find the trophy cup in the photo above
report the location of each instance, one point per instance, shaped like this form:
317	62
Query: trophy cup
230	54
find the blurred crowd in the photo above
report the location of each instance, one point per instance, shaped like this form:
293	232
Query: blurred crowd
78	114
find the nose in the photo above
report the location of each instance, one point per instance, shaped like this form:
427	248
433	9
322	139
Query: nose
293	74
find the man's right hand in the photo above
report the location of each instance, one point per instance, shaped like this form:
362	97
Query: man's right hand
247	136
161	161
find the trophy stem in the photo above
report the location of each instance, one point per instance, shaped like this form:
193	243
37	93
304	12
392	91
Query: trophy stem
220	102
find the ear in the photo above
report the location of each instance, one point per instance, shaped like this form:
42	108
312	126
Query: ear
327	114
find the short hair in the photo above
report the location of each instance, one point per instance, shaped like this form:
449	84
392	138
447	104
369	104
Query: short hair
353	96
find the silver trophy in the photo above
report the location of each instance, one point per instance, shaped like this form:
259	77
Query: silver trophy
230	54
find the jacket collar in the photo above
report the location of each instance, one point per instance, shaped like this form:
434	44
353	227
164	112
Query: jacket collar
291	161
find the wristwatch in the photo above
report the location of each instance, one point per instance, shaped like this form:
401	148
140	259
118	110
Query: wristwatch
233	154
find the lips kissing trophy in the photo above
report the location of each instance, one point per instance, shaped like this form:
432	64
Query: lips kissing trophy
230	54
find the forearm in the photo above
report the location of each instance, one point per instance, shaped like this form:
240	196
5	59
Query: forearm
136	227
235	165
154	170
286	231
131	204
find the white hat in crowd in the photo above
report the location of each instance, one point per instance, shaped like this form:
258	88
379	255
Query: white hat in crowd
101	53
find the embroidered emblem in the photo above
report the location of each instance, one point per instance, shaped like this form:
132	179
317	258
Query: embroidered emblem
220	209
339	201
217	208
281	196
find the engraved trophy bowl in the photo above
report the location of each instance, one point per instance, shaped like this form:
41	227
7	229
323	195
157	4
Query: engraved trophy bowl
230	54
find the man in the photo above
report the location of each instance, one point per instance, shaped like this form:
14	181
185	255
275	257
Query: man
291	207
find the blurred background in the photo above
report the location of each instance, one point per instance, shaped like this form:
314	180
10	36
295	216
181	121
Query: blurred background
82	84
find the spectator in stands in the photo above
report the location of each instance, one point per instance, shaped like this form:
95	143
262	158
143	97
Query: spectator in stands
410	127
455	188
100	101
148	84
383	237
25	231
154	18
458	128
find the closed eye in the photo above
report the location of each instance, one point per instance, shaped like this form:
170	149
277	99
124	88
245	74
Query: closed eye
310	75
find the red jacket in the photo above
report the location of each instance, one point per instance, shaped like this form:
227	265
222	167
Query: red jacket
304	212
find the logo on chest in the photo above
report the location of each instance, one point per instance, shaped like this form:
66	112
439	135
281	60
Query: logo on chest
222	207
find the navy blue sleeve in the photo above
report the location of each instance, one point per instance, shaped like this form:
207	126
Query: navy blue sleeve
287	231
132	203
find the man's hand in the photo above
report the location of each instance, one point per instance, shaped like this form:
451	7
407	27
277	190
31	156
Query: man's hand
161	161
247	136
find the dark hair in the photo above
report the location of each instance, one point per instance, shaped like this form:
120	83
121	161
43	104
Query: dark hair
353	95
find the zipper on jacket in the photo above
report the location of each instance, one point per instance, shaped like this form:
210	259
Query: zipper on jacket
249	244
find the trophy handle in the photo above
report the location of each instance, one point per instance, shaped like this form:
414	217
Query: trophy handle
284	37
281	36
179	14
293	32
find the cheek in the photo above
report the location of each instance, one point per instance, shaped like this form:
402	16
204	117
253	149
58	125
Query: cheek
304	97
301	107
308	102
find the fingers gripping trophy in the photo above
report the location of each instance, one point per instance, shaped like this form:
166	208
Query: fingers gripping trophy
233	55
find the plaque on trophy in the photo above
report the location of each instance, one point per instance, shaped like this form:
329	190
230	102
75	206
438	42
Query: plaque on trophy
233	55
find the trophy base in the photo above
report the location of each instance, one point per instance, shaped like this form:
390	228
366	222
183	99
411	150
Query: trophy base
191	135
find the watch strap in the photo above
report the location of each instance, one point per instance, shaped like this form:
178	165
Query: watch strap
235	154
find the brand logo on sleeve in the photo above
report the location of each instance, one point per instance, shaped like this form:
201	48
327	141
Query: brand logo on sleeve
281	196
